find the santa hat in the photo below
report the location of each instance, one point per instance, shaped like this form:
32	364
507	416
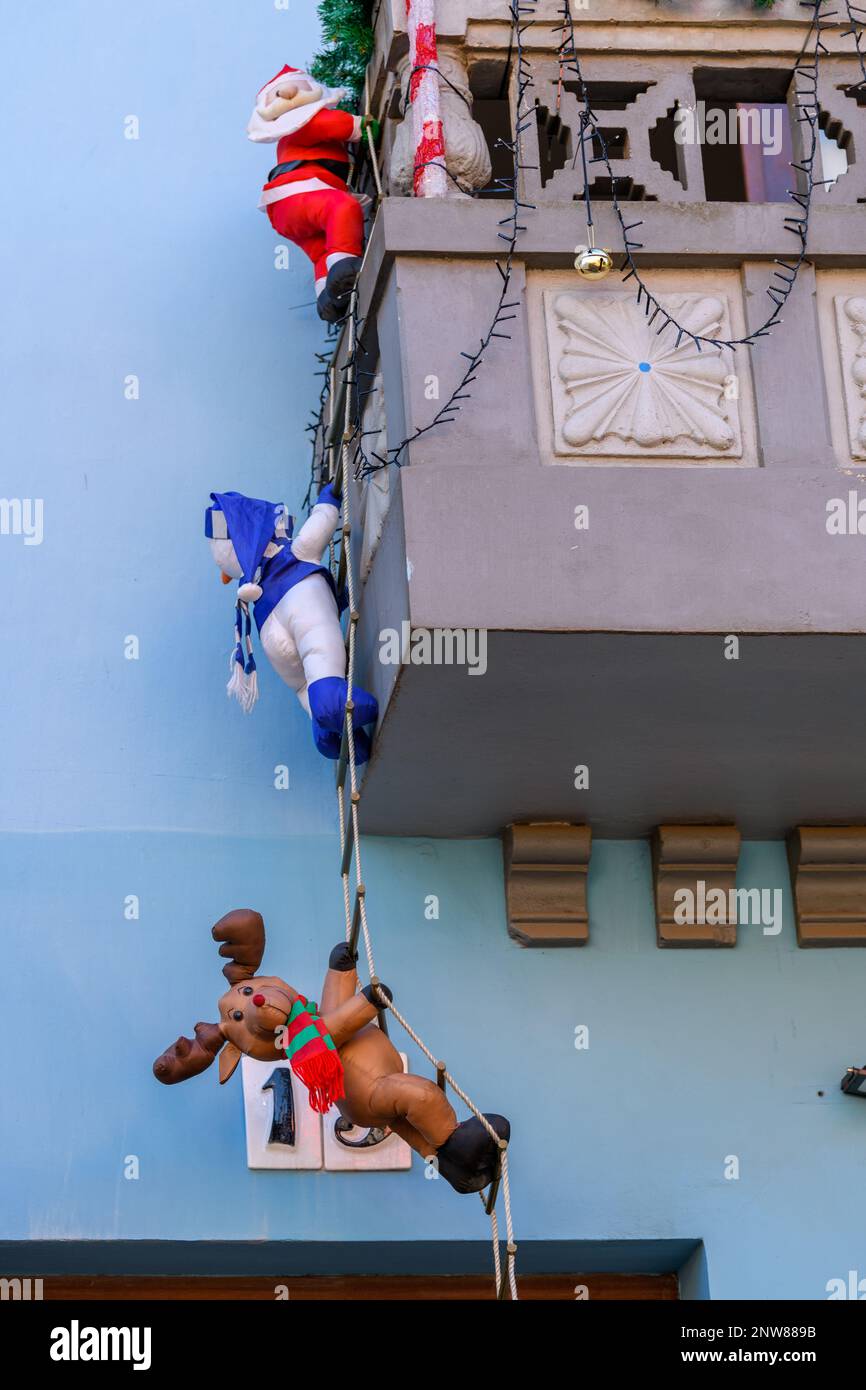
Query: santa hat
252	525
264	132
265	94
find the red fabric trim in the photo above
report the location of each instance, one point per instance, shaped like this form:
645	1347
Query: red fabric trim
425	43
431	147
425	54
323	1077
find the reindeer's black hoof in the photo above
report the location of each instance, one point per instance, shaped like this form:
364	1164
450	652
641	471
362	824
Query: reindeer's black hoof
342	957
468	1159
372	997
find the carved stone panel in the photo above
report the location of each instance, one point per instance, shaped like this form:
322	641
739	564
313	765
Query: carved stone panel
634	106
621	388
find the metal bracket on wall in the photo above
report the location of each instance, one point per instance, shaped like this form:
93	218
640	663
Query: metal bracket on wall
546	866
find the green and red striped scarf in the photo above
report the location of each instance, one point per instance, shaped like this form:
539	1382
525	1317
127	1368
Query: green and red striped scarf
313	1055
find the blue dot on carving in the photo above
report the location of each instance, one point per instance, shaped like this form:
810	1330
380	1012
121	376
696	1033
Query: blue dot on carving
645	366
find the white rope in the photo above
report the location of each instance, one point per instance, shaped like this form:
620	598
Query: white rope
347	901
354	799
370	142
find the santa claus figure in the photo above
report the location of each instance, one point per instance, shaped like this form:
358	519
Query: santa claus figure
306	196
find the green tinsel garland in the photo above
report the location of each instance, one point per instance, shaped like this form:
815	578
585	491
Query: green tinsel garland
348	35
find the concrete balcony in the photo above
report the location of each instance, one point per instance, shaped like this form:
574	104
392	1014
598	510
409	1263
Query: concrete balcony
672	613
608	642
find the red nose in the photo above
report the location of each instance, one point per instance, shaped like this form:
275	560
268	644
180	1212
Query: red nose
258	1000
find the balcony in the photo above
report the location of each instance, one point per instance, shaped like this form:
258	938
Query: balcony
671	615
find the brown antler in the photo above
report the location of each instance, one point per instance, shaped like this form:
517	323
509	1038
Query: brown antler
243	934
186	1057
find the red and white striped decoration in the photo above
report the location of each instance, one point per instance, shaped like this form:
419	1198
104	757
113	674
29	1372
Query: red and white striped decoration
431	180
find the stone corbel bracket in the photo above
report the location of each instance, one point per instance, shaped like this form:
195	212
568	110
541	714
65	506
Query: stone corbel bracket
546	866
828	875
694	879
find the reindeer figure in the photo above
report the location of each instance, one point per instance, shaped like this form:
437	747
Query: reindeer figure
258	1011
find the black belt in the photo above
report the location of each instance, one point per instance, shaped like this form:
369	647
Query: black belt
333	166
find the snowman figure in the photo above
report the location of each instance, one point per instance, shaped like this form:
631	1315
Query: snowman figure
296	608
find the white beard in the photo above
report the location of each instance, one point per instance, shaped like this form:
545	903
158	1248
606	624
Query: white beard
263	132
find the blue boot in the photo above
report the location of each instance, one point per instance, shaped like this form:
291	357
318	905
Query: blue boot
328	704
327	742
328	709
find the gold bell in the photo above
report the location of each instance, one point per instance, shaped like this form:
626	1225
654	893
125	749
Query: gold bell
593	262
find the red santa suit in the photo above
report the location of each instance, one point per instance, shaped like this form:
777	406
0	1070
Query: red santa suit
309	202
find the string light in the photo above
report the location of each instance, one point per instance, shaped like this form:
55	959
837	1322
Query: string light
510	229
592	261
796	223
855	31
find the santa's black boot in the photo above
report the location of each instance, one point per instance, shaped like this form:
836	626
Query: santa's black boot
333	302
468	1159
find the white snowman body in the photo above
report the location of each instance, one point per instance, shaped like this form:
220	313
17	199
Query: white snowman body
302	637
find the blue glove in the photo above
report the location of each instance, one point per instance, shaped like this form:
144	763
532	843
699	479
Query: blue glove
329	496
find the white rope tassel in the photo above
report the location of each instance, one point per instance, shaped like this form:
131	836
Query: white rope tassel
242	687
236	688
252	692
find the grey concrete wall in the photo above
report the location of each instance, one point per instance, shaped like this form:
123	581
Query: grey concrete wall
669	729
489	528
673	234
667	550
789	375
445	307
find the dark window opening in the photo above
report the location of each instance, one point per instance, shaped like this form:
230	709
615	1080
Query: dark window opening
665	148
488	82
627	191
610	140
743	126
856	92
609	96
554	143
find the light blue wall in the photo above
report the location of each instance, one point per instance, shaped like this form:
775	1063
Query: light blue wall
137	777
693	1056
145	257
